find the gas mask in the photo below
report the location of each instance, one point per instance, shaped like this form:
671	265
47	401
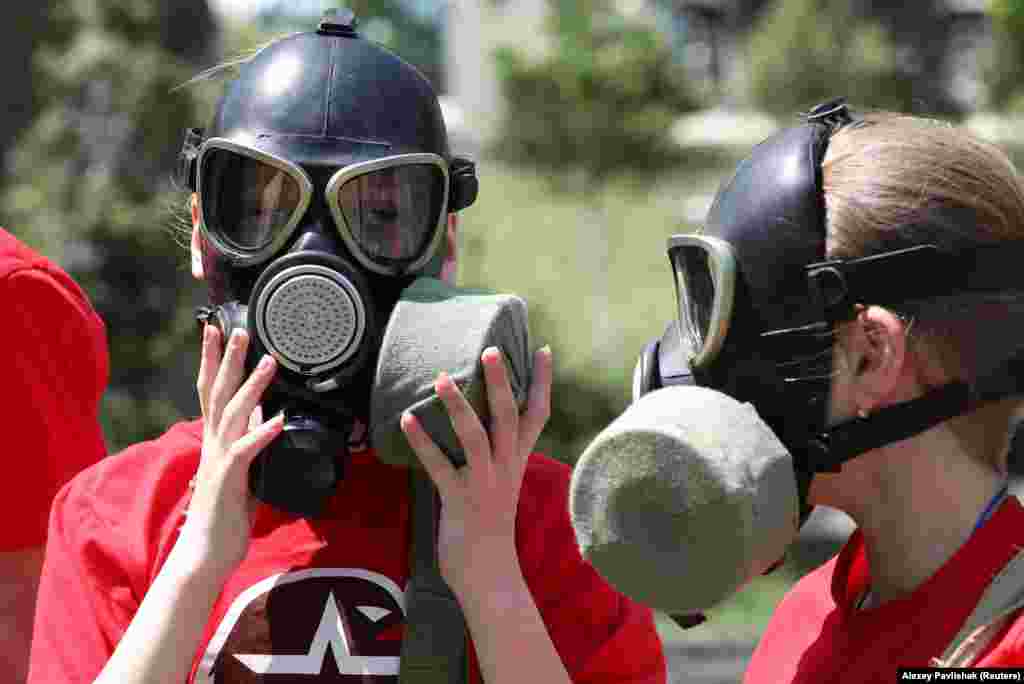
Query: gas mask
324	185
759	303
703	482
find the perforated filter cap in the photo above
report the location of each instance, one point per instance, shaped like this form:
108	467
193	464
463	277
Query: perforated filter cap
311	318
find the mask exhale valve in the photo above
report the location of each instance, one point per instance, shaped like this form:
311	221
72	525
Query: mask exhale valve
299	471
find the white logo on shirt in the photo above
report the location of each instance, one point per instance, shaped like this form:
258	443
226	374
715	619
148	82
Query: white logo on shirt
333	631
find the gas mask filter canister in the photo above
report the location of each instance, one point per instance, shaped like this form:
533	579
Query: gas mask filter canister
437	327
684	498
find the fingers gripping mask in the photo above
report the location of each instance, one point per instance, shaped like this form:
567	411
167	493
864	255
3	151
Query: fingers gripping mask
313	312
436	327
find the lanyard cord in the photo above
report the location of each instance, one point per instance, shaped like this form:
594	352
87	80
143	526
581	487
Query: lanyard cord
991	507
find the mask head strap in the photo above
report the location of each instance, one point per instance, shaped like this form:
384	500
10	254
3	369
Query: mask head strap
464	183
185	170
840	284
834	113
828	451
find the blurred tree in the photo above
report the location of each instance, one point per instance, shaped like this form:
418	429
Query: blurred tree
25	24
599	102
90	186
803	52
1006	57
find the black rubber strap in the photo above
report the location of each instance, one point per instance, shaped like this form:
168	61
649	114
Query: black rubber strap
894	277
830	450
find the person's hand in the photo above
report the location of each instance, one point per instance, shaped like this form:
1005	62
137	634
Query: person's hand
219	517
476	540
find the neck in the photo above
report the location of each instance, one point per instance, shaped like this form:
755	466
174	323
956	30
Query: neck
916	502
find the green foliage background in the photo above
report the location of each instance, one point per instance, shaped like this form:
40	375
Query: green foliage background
605	78
88	183
803	52
1006	57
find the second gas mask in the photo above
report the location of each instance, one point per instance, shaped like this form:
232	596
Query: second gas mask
759	303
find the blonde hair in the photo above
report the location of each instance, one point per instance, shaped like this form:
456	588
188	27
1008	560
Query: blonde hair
231	65
899	180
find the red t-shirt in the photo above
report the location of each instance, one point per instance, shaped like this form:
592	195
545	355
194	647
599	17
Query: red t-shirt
313	600
55	368
818	635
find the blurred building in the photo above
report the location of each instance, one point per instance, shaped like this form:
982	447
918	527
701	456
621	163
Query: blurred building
473	30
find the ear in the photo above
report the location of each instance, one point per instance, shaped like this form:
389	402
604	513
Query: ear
879	362
450	264
195	247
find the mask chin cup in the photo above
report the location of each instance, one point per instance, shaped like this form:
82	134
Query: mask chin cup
300	470
436	327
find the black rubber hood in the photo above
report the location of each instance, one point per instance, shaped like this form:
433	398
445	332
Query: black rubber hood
772	213
323	98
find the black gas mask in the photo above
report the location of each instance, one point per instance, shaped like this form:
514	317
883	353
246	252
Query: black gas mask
759	303
324	185
702	483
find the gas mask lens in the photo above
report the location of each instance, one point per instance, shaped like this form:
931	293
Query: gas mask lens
704	270
391	213
249	201
696	290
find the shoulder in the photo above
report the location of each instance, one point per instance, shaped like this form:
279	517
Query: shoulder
143	482
600	634
805	605
810	597
51	320
545	476
813	597
543	527
17	258
548	552
799	621
544	496
14	254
